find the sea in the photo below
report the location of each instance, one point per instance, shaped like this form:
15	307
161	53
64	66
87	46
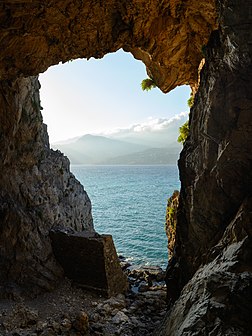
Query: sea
129	202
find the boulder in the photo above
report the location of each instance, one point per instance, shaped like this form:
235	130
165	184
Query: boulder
90	260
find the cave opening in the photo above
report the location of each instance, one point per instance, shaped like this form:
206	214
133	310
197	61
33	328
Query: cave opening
122	145
212	259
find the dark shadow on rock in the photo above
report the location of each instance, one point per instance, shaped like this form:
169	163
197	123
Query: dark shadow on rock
90	260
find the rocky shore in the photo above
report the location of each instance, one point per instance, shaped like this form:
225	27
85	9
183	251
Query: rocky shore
72	311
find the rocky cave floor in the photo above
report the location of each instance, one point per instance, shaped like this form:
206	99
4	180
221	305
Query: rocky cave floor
71	311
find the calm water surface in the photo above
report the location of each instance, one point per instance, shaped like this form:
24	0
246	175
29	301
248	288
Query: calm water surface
129	202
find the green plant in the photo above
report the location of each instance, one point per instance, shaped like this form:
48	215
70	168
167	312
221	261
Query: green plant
190	101
148	84
183	132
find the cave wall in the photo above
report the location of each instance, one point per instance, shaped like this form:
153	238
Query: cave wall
37	192
213	249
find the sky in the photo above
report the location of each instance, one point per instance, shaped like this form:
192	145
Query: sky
98	96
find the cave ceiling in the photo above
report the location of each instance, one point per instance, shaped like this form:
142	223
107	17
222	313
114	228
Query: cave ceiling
168	36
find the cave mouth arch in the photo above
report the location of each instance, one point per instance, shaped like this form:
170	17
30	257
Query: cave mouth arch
120	68
168	37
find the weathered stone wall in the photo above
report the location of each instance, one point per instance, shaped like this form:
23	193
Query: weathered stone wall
37	191
166	35
214	215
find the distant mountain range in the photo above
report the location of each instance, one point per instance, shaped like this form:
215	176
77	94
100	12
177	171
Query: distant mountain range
154	142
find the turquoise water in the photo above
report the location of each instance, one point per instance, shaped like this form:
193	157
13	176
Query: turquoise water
129	202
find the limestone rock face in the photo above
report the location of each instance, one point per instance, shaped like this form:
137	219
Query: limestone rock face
214	215
171	221
167	36
37	191
217	300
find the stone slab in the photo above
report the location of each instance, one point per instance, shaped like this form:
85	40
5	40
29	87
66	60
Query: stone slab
90	260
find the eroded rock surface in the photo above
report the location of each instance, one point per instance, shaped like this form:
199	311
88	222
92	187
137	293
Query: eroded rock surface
214	215
37	192
167	36
171	221
217	300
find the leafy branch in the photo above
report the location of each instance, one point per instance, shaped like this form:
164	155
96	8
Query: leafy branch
183	132
148	84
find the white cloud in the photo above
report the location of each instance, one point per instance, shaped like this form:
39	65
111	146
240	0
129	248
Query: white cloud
151	125
155	132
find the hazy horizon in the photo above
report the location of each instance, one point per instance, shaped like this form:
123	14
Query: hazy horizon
152	142
151	126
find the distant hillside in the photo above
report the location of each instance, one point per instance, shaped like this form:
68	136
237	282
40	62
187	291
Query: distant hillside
154	142
93	149
149	156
